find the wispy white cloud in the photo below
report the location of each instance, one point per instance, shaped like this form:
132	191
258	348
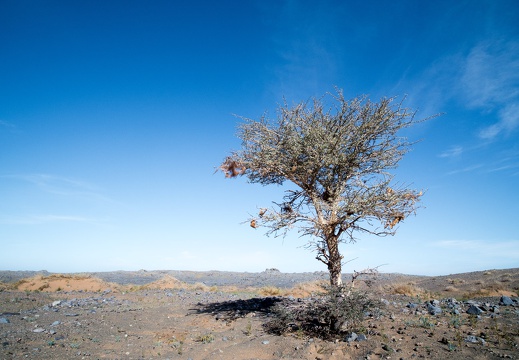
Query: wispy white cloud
508	122
504	167
60	185
43	219
490	82
465	169
454	151
305	42
6	124
486	79
491	74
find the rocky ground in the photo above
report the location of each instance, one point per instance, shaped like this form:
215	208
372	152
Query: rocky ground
218	315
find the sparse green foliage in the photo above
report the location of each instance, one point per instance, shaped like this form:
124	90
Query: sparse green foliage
423	322
339	160
205	339
455	321
248	328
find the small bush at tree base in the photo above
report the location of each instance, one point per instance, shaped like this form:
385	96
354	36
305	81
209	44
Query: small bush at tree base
327	316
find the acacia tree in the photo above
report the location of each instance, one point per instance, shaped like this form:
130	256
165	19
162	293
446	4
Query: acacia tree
339	159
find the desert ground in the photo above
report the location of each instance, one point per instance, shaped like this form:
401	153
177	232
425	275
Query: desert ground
223	315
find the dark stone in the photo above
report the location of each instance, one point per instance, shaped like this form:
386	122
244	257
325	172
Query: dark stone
433	310
361	337
351	337
505	300
474	310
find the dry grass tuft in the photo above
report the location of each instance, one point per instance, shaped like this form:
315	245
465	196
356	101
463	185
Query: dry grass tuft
408	289
451	288
200	287
270	291
4	286
493	289
307	289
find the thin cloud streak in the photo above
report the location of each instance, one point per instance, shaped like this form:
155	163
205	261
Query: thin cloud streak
454	151
44	219
59	185
465	169
502	168
7	124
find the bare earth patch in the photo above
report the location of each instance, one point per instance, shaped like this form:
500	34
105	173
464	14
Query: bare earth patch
168	318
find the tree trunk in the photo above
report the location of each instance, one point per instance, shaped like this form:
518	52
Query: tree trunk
334	263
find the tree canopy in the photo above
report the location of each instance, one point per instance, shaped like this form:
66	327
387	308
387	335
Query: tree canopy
339	159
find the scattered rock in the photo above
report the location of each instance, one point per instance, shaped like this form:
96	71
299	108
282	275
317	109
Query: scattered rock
351	337
505	300
361	337
474	310
433	310
475	339
4	321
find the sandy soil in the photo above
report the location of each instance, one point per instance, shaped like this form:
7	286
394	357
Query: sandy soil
220	316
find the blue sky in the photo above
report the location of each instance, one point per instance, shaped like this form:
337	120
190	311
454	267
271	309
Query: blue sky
114	115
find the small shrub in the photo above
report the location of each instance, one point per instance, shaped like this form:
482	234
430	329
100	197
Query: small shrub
201	287
455	321
423	322
205	339
270	291
455	281
248	329
506	278
326	316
